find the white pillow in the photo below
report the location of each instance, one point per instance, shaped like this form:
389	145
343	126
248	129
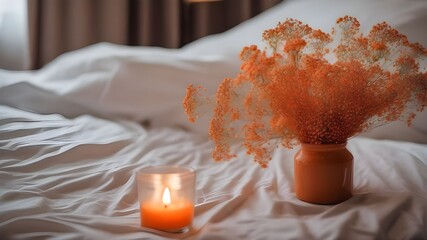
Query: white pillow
136	83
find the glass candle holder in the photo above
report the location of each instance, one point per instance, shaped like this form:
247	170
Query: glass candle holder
166	197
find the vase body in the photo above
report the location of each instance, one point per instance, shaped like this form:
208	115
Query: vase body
323	173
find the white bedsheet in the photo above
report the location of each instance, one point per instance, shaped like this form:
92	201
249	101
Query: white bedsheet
75	179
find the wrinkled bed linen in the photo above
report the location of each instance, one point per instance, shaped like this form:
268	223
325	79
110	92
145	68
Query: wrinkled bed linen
75	179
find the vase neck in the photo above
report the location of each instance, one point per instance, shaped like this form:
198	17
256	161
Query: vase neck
323	147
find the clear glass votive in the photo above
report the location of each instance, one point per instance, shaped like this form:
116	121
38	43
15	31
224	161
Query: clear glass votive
166	197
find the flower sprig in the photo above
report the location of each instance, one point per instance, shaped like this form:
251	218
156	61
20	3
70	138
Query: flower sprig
314	87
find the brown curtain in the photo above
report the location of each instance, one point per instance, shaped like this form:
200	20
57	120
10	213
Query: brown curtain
58	26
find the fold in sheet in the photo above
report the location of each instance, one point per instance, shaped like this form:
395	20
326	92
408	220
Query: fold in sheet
75	179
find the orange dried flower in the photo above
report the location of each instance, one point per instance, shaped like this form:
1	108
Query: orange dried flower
190	103
315	88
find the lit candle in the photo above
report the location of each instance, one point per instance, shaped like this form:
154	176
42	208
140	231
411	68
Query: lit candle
167	214
166	196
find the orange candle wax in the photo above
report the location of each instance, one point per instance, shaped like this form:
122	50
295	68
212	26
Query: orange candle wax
171	217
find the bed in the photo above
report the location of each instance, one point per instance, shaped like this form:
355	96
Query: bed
74	134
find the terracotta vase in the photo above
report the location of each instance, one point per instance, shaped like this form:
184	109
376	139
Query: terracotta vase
323	173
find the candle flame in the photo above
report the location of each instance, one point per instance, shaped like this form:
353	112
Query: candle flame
166	197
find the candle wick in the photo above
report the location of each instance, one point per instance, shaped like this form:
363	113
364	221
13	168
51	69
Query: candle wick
166	206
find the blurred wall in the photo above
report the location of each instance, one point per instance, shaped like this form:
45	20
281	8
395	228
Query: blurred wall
13	35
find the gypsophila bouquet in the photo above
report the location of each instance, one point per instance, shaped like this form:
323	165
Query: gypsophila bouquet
313	87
